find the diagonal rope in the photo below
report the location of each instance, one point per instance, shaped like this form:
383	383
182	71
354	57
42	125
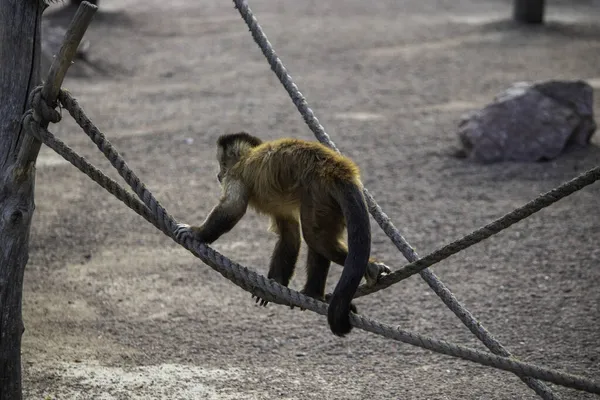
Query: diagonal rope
245	278
380	217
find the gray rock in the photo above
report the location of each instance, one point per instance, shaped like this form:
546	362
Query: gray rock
530	122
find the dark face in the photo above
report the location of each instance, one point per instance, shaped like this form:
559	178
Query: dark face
225	162
222	167
230	150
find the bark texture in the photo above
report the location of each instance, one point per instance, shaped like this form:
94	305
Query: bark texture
19	73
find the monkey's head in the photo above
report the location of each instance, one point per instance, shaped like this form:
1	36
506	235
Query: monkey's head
231	148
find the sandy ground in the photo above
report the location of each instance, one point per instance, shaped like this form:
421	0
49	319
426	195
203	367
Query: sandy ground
115	310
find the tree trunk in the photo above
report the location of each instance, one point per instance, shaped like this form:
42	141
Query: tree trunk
529	11
20	27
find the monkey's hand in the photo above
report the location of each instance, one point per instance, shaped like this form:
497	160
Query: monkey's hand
375	270
197	232
181	231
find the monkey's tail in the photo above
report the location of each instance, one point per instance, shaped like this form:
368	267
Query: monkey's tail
354	208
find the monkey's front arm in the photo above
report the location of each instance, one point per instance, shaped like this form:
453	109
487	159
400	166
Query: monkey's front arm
223	217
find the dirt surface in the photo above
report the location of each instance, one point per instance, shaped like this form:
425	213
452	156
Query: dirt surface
115	310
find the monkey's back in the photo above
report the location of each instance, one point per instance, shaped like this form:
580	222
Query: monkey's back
281	172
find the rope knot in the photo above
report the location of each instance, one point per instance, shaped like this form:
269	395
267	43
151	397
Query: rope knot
42	111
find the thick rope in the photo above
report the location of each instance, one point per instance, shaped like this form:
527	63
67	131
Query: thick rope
380	217
250	280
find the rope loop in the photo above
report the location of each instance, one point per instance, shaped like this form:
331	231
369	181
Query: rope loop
32	126
42	111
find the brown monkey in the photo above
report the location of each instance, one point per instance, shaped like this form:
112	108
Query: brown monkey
297	183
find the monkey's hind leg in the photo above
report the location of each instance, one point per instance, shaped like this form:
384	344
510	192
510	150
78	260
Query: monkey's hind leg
325	229
321	230
317	267
336	251
285	254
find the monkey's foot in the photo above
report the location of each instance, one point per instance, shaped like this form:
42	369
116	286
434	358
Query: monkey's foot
260	301
181	230
352	306
375	270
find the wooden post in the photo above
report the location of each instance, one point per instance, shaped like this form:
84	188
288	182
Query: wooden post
529	11
20	27
19	73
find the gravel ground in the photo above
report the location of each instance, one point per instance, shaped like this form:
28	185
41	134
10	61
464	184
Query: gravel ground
115	310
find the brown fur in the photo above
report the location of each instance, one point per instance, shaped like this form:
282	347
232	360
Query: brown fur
304	186
287	168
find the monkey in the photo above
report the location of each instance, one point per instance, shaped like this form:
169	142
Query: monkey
303	186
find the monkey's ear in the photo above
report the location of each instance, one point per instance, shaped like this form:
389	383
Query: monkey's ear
229	139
